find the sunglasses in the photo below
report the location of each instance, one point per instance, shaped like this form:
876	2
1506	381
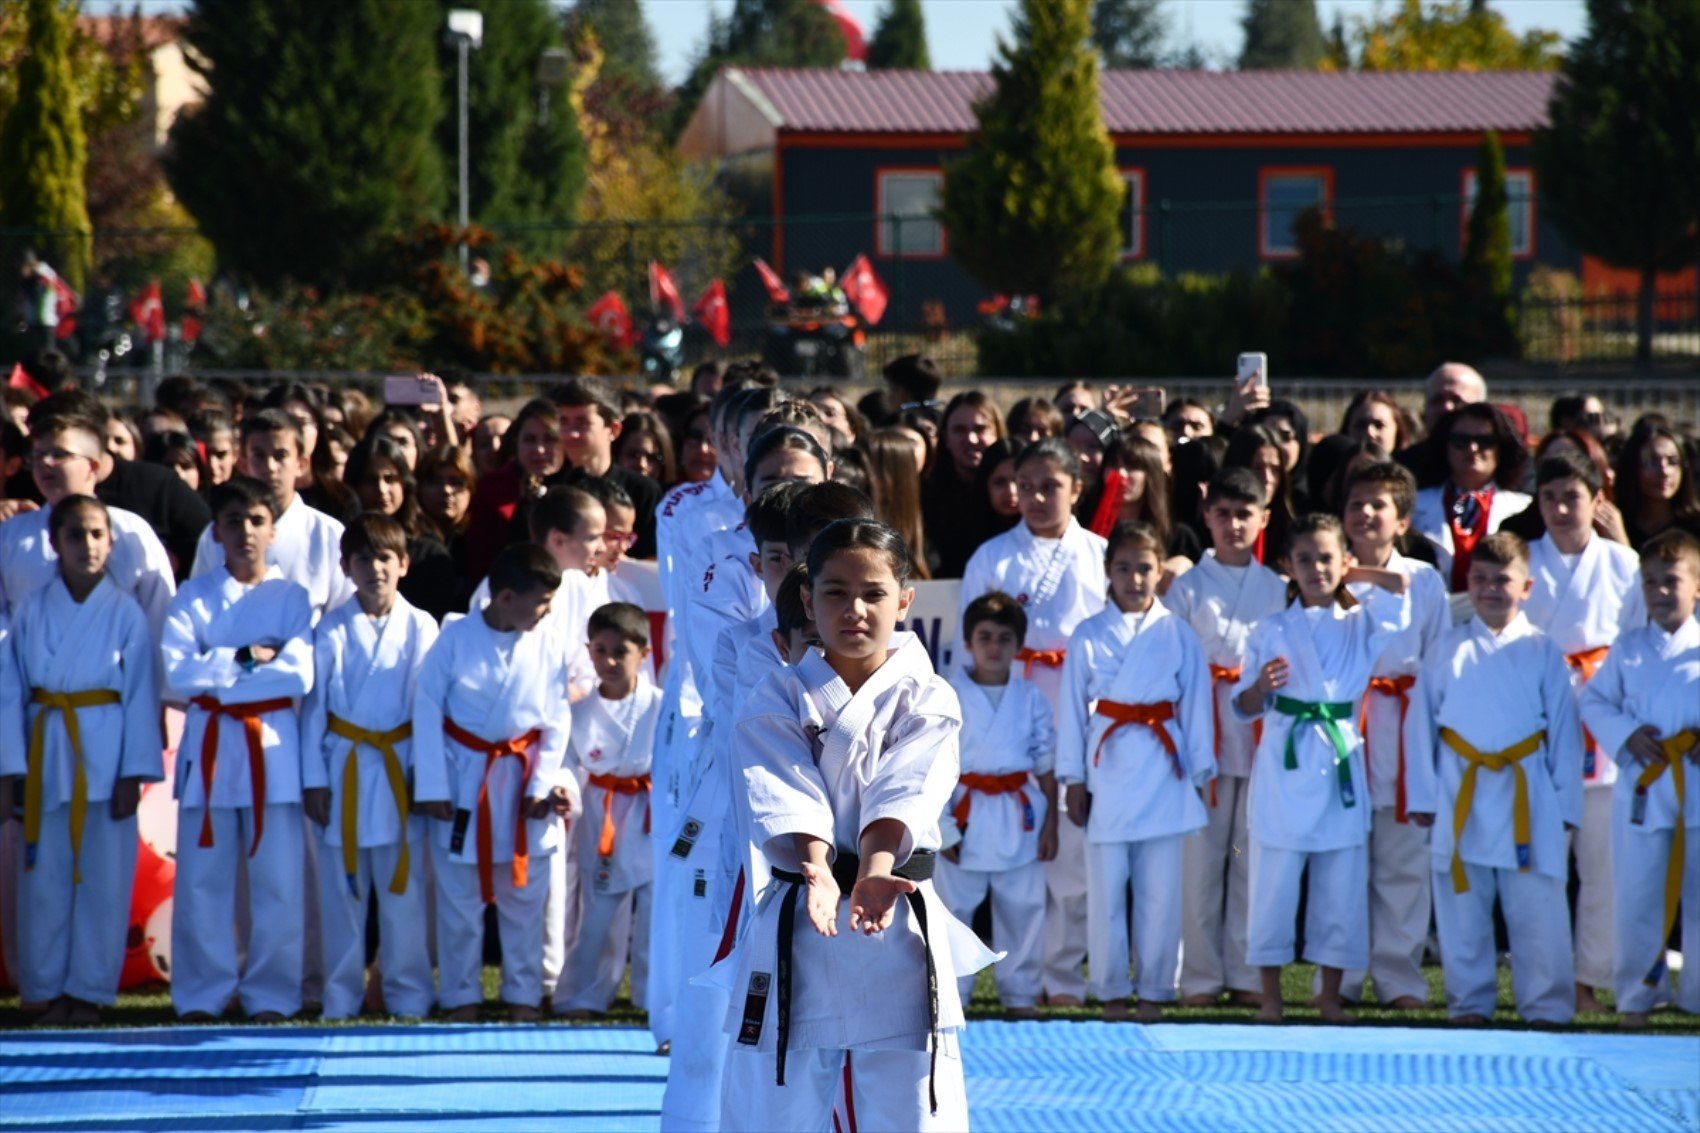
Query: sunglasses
1465	441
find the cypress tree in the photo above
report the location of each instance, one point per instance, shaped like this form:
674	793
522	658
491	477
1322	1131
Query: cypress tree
315	143
1129	33
1620	160
45	150
1487	244
1282	35
900	40
1031	204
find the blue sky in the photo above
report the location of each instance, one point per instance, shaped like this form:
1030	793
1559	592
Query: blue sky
961	34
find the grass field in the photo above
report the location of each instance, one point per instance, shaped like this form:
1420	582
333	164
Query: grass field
152	1008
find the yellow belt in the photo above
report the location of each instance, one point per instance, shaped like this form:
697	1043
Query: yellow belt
385	743
1675	747
67	703
1510	757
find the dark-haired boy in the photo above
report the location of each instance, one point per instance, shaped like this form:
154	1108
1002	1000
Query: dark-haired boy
357	761
590	424
1587	591
1002	819
1222	598
490	725
237	646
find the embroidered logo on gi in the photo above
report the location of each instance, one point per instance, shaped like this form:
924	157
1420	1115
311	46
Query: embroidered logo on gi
755	1008
687	838
708	576
1021	599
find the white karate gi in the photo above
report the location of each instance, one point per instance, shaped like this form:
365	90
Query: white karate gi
1399	892
999	848
364	675
1494	691
307	550
211	618
1060	583
1308	816
1651	678
138	566
1583	606
76	903
1429	519
499	687
1222	603
615	739
821	761
1144	801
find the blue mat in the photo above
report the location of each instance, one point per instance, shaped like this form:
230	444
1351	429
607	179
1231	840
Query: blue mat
1021	1076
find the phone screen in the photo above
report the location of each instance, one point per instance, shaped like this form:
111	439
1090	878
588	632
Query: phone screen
1253	366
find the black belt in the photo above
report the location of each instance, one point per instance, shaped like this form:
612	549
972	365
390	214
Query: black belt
845	867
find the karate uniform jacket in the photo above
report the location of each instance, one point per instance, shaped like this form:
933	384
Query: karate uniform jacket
1015	735
138	565
1650	677
616	738
1330	654
307	550
367	678
1222	604
1494	691
211	618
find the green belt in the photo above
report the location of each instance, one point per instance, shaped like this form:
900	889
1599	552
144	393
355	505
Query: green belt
1327	713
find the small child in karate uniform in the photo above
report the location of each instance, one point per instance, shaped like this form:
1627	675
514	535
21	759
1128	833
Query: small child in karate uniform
79	734
357	752
1310	803
238	647
1002	818
1643	708
1134	752
613	740
1493	712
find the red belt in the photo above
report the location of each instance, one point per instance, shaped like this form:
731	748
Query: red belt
617	785
1390	686
249	713
1013	783
492	752
1050	658
1153	716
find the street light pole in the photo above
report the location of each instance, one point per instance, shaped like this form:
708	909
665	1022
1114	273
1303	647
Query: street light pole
466	32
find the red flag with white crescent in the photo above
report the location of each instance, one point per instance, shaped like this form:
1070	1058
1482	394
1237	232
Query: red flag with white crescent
147	311
776	289
713	313
610	316
664	292
865	291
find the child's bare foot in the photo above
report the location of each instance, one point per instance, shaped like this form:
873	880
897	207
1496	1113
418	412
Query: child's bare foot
1062	1001
1469	1020
1268	1013
523	1013
1014	1014
1115	1011
466	1013
1633	1021
83	1013
1586	1002
1245	999
1202	999
58	1013
1408	1003
197	1017
266	1017
1333	1010
576	1015
1148	1011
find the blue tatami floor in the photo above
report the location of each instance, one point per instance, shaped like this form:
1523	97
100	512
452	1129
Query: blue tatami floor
1021	1076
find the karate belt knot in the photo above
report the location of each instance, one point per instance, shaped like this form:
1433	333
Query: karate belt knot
1154	716
383	743
67	704
1050	658
1399	687
1512	758
1585	663
1674	748
1015	782
494	750
249	713
1327	714
845	867
612	785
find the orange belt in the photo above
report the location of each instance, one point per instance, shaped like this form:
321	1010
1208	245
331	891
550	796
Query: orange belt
494	751
249	713
1390	686
1229	675
1013	783
617	785
1050	658
1588	662
1153	716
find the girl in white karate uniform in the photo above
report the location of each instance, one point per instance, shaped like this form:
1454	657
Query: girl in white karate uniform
1134	752
1055	568
844	983
1002	818
79	721
1587	591
1310	802
357	762
1643	708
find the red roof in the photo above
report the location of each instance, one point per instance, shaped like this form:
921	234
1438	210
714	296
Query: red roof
1171	102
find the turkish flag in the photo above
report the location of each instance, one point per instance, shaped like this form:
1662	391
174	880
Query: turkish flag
66	304
196	304
664	292
20	379
610	316
776	289
865	291
147	311
711	311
